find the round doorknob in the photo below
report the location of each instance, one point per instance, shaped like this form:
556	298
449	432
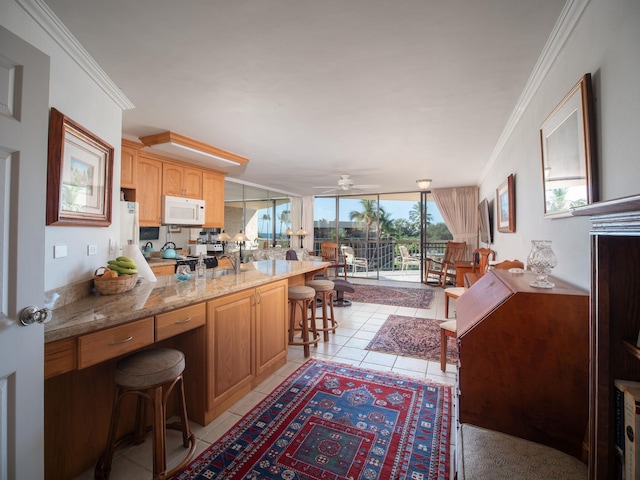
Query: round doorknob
34	314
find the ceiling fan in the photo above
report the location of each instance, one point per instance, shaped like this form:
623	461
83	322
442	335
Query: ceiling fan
346	184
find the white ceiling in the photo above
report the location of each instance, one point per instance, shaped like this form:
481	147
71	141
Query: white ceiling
388	91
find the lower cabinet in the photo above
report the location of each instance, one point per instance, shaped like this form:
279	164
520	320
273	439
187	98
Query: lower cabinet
246	339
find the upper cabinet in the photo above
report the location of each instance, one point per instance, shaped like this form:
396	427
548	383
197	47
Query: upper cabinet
148	190
129	164
179	180
213	195
145	177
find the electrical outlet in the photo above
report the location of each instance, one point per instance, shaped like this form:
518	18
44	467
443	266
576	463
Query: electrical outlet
92	249
59	251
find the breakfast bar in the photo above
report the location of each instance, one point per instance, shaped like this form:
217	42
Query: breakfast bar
231	327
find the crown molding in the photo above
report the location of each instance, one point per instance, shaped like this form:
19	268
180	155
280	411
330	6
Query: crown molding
565	24
52	25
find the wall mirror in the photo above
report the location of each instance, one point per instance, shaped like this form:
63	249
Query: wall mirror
568	152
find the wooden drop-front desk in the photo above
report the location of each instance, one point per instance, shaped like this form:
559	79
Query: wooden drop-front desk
524	356
231	342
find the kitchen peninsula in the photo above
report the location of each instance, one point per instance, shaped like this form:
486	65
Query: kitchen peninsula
232	329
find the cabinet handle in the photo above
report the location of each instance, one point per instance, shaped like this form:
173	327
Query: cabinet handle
258	297
118	342
188	319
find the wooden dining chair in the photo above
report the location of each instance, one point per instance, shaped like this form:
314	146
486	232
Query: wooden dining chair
329	253
445	270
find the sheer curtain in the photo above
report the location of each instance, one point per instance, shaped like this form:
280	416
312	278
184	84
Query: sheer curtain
459	209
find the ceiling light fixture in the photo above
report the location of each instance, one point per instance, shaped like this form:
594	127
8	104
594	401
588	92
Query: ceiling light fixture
170	142
423	183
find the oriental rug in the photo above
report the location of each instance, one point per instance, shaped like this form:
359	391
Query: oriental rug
395	296
332	421
412	337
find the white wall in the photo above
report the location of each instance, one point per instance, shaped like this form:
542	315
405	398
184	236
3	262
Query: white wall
605	42
76	95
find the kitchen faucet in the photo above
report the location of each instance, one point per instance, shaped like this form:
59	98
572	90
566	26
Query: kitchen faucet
235	261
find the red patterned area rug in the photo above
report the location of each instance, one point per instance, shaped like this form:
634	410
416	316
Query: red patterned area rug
412	337
329	421
396	296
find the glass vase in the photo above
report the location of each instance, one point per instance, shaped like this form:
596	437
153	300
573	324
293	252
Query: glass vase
541	260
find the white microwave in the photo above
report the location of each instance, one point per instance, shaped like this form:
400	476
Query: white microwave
182	211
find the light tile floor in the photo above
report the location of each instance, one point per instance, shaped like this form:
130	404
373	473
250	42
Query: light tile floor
357	326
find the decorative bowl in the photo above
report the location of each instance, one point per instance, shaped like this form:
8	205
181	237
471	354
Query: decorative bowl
182	276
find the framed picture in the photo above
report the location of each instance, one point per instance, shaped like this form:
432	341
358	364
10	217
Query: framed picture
79	175
506	202
568	153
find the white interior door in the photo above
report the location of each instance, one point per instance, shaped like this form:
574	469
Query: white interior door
24	119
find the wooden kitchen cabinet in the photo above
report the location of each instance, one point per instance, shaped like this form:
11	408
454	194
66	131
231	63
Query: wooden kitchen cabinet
213	195
524	356
129	164
149	190
161	270
271	326
229	348
246	341
180	180
614	323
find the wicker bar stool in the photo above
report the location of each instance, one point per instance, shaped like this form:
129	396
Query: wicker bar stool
301	297
324	293
152	376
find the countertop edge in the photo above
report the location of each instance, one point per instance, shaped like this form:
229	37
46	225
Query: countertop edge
148	299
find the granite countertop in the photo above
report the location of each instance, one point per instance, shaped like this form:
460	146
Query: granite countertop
147	299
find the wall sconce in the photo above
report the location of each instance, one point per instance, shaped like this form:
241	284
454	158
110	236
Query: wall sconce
423	183
223	238
301	233
240	238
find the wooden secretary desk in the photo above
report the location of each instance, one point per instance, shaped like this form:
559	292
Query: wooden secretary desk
524	356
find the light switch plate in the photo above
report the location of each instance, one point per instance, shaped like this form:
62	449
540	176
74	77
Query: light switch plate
59	251
92	249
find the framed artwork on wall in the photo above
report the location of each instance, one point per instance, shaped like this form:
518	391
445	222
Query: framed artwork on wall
506	204
79	175
567	140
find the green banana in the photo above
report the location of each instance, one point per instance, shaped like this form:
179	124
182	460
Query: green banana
123	265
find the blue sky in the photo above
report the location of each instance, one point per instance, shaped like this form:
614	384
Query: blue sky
325	208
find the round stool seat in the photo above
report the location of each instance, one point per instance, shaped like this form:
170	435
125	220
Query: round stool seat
149	367
300	292
321	285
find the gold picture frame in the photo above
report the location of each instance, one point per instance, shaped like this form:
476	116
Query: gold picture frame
79	175
567	140
506	205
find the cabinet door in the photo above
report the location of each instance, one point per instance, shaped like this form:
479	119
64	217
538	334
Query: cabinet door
128	167
172	179
148	190
192	182
213	194
229	345
271	325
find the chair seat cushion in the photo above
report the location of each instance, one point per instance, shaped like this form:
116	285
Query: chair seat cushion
449	325
454	292
149	367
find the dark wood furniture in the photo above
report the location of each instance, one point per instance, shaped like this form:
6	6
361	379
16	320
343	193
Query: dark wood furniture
462	268
329	253
615	319
444	270
524	359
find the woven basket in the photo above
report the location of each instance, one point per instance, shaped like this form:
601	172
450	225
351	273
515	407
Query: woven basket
113	286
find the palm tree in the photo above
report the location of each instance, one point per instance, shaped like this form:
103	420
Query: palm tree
265	218
284	217
368	215
414	214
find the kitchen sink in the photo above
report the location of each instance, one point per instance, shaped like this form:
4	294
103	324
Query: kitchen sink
221	272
